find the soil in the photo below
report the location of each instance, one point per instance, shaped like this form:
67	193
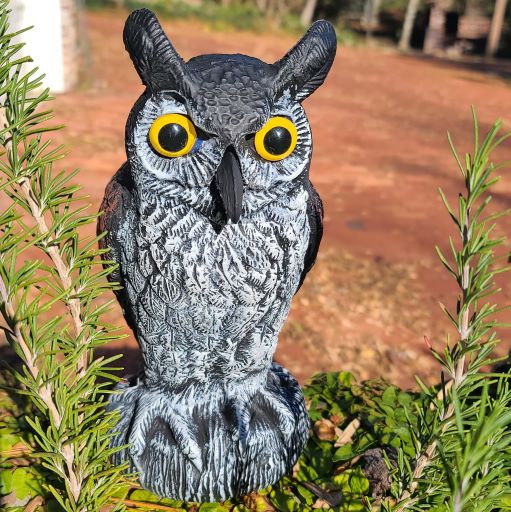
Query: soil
380	154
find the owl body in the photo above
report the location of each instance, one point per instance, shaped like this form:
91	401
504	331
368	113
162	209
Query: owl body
207	304
214	224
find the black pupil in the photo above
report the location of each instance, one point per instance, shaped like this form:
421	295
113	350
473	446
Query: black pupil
277	140
173	137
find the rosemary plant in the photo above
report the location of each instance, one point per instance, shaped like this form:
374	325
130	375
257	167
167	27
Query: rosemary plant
465	462
50	280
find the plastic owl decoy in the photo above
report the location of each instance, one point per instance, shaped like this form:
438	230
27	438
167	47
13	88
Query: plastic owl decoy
214	224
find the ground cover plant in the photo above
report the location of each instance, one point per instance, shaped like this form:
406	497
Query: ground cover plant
372	446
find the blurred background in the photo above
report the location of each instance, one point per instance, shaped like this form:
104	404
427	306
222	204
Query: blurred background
406	72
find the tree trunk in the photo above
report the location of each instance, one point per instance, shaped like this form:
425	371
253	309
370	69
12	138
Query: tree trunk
262	6
375	14
308	12
475	8
406	34
436	29
371	15
496	28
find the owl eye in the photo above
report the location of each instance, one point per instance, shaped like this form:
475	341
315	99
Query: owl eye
276	139
172	135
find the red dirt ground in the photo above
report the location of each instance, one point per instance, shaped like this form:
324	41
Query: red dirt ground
379	127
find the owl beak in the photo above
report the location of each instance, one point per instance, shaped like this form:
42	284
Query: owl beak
229	183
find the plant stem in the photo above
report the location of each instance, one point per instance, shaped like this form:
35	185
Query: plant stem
63	269
52	249
44	390
464	328
459	375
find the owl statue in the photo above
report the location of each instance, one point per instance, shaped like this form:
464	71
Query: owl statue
214	224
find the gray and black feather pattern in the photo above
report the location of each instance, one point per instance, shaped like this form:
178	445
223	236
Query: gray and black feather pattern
211	248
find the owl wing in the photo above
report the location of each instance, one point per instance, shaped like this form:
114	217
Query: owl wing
116	203
315	216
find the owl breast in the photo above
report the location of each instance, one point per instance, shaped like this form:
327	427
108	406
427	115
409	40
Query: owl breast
211	304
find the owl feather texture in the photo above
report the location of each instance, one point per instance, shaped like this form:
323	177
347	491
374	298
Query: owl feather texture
214	224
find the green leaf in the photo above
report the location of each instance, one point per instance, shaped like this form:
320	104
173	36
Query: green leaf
285	502
343	453
308	497
26	483
359	483
8	438
213	507
143	495
6	478
389	397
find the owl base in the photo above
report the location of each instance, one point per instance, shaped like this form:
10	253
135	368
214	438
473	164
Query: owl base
211	446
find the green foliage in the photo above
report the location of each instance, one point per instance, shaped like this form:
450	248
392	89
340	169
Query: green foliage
372	445
238	15
347	36
465	463
50	284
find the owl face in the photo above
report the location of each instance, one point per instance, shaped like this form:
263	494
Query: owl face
225	133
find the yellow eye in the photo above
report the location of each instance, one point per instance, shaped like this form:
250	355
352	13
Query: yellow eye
276	139
172	135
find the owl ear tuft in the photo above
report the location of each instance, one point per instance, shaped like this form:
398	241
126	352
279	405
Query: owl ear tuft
157	62
304	68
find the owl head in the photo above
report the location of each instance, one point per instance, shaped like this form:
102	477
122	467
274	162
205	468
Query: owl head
226	134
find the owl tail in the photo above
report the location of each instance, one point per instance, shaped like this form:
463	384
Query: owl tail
242	415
